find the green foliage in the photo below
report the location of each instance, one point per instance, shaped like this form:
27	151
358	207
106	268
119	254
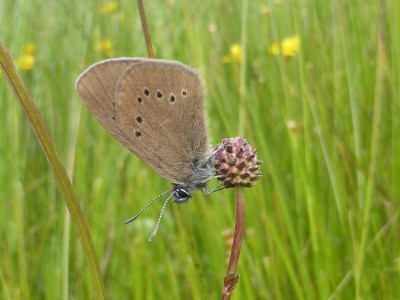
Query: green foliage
323	221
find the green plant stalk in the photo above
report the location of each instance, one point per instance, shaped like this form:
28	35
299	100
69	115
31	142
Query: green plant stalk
231	279
67	220
375	146
18	211
194	250
242	85
61	177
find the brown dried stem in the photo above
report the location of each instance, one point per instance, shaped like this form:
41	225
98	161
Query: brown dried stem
146	33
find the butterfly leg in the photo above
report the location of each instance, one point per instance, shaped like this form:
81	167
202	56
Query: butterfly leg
217	188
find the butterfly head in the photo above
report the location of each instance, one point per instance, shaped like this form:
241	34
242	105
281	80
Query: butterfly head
182	194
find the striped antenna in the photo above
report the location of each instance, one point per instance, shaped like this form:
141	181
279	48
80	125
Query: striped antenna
153	234
148	205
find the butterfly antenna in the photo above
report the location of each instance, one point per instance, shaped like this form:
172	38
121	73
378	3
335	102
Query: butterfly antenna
153	234
147	206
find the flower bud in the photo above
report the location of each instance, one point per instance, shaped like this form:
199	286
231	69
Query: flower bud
236	163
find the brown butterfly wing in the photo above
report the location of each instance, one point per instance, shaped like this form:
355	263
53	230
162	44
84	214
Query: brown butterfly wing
160	112
97	85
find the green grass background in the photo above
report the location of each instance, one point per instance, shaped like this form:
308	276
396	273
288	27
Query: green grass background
323	221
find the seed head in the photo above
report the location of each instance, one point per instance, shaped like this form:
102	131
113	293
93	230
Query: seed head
236	163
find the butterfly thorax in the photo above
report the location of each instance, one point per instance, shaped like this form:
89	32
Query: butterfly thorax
202	173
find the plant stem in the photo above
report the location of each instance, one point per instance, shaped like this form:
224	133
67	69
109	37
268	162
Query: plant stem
146	33
232	279
60	175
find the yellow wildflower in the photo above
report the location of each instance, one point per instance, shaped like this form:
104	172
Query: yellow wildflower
105	47
108	8
288	47
291	46
235	54
26	62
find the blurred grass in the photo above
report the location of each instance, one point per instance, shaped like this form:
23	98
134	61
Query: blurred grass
323	221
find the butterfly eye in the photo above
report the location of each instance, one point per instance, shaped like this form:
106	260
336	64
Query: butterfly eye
182	195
